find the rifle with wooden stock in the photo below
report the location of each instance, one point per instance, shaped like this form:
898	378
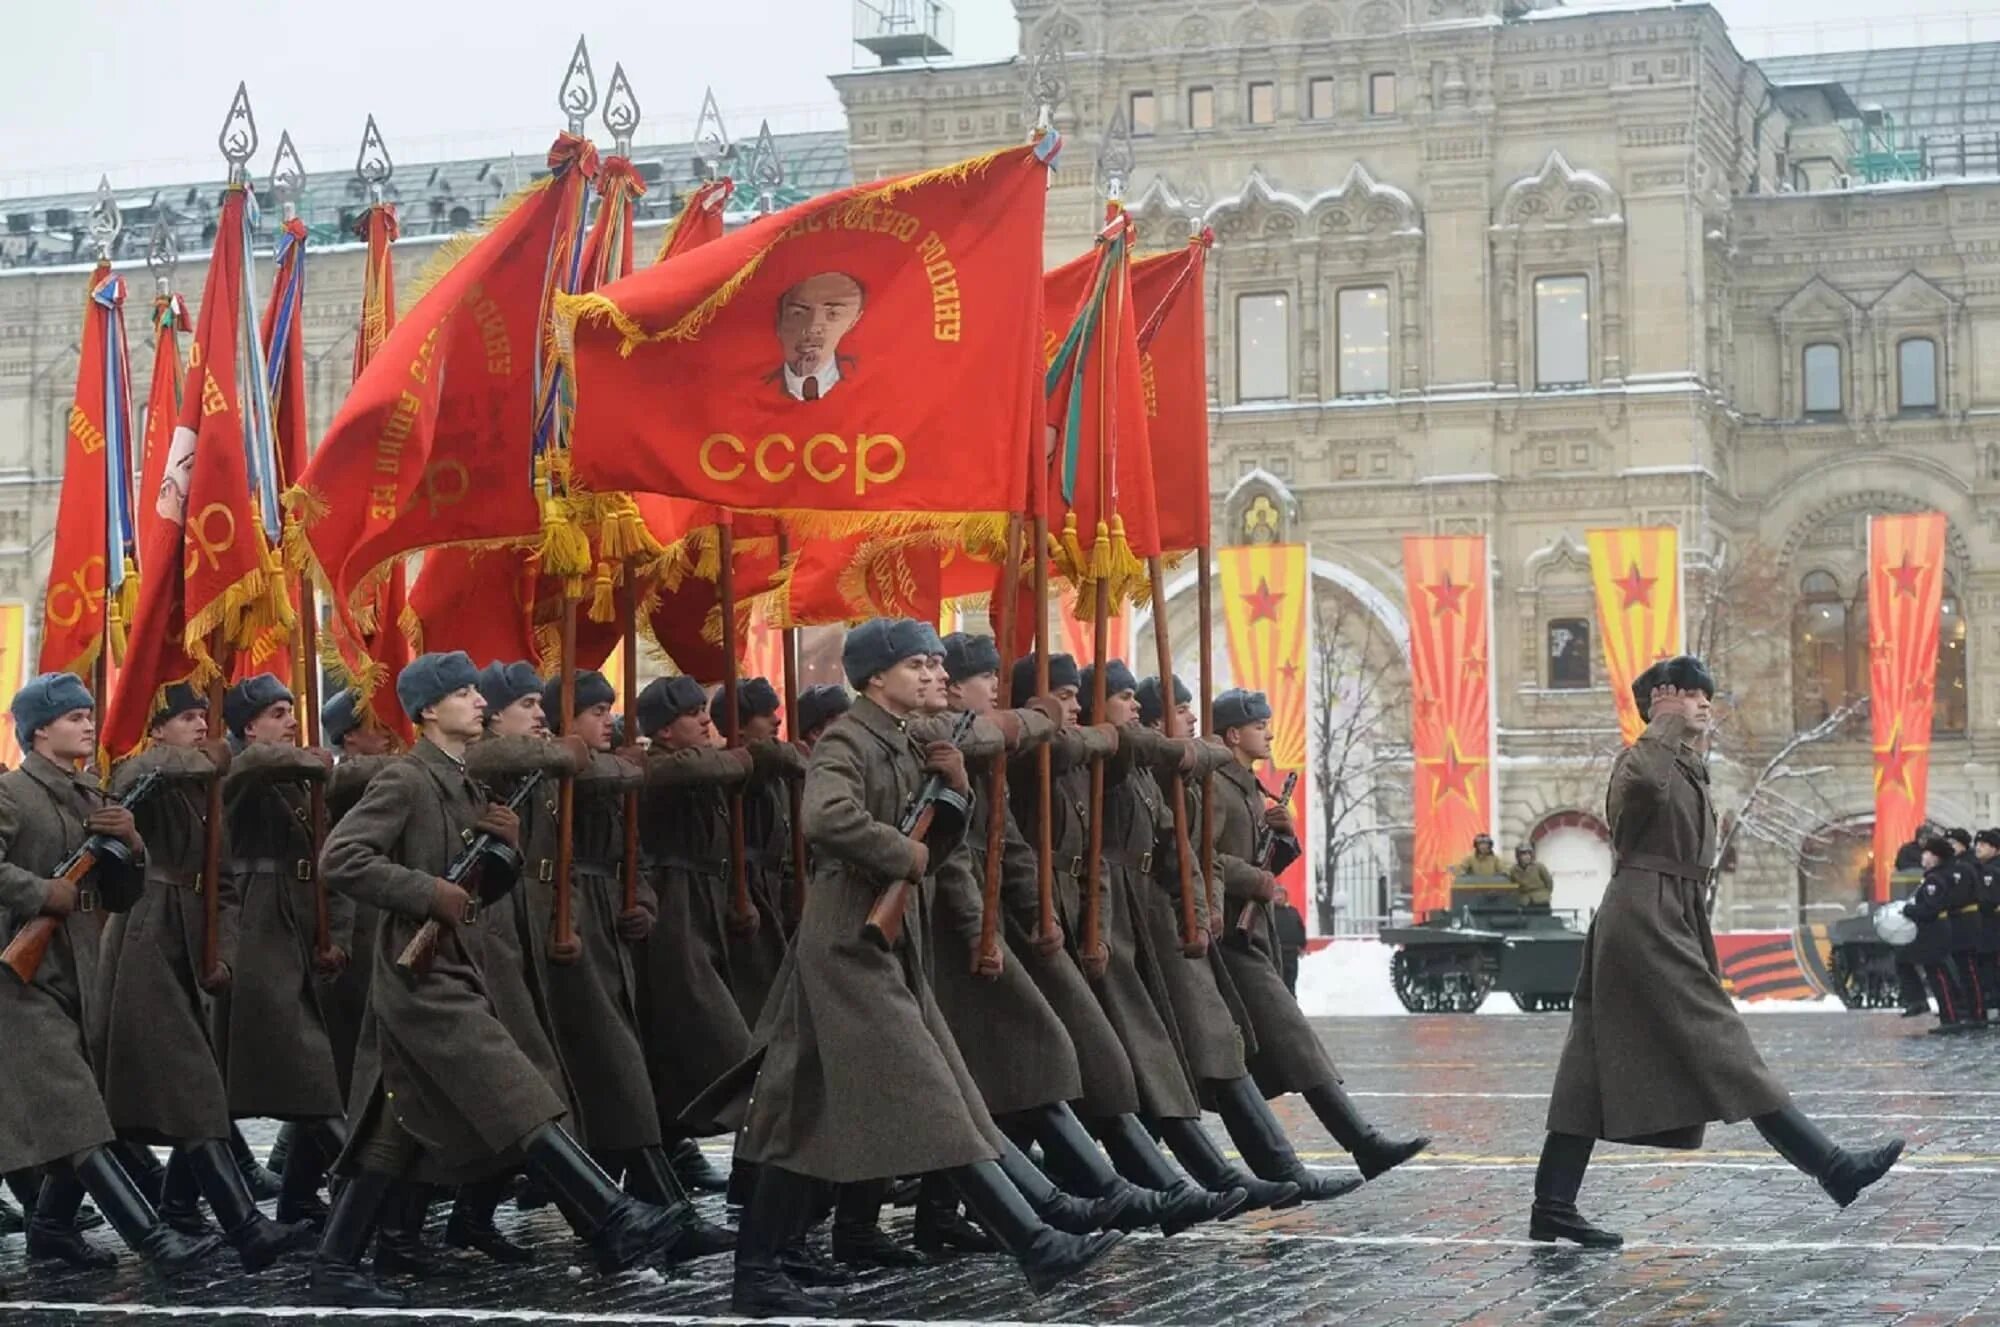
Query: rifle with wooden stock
884	927
24	953
1267	847
486	867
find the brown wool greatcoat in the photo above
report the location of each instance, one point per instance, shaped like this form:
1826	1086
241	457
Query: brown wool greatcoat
754	959
1199	994
155	1061
344	1001
1130	992
1288	1056
1656	1049
49	1106
433	1051
690	1023
856	1075
593	1002
271	1031
1014	1045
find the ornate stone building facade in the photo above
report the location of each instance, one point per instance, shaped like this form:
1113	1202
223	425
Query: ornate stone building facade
1495	267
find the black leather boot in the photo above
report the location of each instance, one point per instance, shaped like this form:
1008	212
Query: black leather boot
1842	1172
1065	1212
940	1228
622	1232
781	1206
1139	1160
52	1232
142	1168
1373	1154
1261	1139
742	1182
650	1177
258	1240
180	1196
1048	1256
1071	1151
472	1227
399	1233
692	1166
1203	1160
166	1251
337	1280
305	1166
280	1154
261	1181
858	1237
1558	1180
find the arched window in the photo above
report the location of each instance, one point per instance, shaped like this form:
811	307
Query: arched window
1949	708
1916	374
1819	650
1822	379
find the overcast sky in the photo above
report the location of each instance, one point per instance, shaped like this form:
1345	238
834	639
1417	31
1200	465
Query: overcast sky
138	88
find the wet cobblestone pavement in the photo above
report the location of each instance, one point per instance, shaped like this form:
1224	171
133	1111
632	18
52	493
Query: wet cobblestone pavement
1729	1235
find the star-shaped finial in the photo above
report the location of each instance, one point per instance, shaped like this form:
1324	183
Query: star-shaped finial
1636	590
1263	603
1445	597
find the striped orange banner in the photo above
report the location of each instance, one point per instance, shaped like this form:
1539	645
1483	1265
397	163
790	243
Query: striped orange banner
1451	733
1905	596
1636	571
1265	611
1078	636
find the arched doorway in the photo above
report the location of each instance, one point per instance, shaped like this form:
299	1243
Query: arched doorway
1576	847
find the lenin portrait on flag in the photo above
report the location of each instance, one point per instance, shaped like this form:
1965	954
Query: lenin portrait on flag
813	318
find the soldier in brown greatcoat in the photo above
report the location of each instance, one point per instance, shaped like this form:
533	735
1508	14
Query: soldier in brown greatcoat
1252	844
1656	1050
856	1076
593	1002
271	1032
442	1090
52	1117
755	956
360	750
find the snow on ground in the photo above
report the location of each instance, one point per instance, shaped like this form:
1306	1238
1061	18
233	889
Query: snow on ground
1350	978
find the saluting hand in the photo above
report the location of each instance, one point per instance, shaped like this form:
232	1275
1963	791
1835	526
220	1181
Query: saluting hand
117	822
1672	700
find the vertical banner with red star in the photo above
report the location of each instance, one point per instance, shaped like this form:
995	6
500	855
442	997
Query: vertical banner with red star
1636	572
1451	710
1262	589
1905	595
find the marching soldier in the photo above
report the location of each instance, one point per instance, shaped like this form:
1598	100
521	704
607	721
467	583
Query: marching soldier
360	751
1533	886
755	955
1966	928
593	1002
441	1086
52	1117
1252	844
856	1077
271	1032
1656	1050
1930	908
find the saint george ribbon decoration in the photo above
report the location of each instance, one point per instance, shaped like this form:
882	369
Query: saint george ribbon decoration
1451	728
1636	573
1267	616
1905	597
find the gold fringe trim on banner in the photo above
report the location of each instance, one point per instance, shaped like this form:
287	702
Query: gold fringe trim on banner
453	250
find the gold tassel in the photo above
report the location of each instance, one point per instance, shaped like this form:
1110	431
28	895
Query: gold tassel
565	548
603	599
1100	553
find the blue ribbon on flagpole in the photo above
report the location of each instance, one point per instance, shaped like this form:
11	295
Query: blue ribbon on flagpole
109	297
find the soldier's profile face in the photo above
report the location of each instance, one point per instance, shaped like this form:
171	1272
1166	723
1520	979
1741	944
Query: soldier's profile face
187	729
814	316
277	723
1254	739
521	717
460	715
1986	852
72	736
758	727
1121	708
366	740
594	726
1072	708
977	694
900	688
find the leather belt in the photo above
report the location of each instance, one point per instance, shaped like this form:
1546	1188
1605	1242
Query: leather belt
1646	861
300	868
596	866
188	880
1143	863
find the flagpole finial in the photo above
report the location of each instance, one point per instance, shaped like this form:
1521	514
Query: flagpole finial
1048	81
621	112
1117	157
578	95
372	165
767	168
288	176
711	140
162	255
105	220
238	139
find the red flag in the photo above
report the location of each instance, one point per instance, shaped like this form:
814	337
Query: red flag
699	221
216	582
478	600
285	370
436	443
1168	291
863	359
163	411
1100	467
92	554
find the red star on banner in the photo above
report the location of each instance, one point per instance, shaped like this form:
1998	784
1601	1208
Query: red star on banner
1923	689
1474	666
1905	576
1446	597
1636	589
1883	646
1452	772
1290	672
1263	603
1427	706
1892	764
